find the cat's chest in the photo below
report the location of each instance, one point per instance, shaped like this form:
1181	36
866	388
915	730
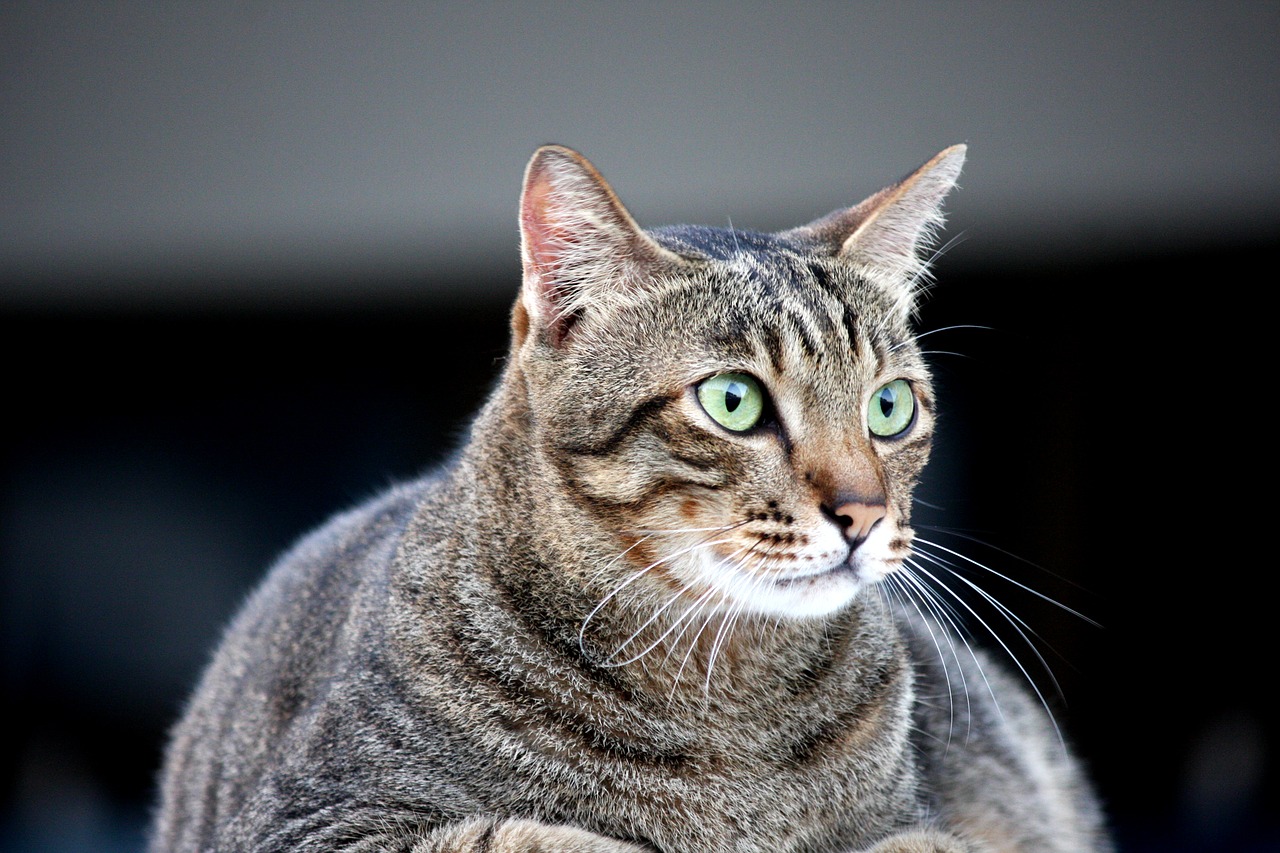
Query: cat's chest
802	781
787	773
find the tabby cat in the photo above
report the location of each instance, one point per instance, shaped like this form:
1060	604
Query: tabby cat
640	610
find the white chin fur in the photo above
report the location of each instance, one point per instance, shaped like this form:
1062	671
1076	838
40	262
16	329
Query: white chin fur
811	596
797	596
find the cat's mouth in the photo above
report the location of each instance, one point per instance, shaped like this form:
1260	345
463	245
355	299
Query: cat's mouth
846	570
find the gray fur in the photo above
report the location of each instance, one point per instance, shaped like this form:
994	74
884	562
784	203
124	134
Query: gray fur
517	654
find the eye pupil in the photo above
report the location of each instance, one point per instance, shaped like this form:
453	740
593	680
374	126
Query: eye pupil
886	402
733	396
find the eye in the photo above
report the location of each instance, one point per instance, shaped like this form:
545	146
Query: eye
892	409
733	400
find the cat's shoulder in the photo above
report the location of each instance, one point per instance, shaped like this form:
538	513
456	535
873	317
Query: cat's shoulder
326	567
368	526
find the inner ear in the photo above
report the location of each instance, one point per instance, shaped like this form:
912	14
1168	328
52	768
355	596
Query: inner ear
579	245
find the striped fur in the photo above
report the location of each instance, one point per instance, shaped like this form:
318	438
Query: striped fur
612	624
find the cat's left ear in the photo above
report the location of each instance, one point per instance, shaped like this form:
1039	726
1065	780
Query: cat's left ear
889	233
580	246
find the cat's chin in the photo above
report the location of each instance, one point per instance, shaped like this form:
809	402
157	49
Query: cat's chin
799	596
810	596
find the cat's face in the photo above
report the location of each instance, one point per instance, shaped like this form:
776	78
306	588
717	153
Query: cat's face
720	422
747	414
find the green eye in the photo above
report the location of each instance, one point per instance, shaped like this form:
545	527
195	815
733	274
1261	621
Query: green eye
733	400
892	409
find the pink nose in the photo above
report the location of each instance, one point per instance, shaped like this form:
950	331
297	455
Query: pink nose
862	517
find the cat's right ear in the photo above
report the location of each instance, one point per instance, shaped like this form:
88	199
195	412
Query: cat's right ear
579	245
889	233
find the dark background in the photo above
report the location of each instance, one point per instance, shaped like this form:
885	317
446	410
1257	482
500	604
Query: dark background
255	263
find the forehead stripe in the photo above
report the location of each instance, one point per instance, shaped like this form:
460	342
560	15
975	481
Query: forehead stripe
800	333
771	343
850	322
823	278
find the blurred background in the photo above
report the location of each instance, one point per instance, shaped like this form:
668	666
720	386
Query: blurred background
256	261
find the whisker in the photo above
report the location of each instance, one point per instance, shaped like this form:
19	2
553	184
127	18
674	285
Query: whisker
1012	618
959	534
956	327
727	622
995	635
600	571
582	629
895	590
947	617
719	529
731	617
1005	577
693	643
937	253
754	582
656	614
610	662
643	653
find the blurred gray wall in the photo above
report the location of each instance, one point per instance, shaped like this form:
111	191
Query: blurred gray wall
150	144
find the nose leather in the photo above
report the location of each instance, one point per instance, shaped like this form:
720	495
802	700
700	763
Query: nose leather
862	518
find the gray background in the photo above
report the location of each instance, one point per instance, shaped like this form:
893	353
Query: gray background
318	139
255	261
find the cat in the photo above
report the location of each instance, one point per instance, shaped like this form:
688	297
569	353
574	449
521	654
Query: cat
643	608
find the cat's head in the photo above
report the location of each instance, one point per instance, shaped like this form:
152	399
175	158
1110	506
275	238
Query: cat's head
745	415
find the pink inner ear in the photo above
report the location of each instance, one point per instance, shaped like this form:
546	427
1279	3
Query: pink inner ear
542	237
545	242
549	240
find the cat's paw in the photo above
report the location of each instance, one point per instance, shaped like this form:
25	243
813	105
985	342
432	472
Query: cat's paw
922	841
519	836
527	836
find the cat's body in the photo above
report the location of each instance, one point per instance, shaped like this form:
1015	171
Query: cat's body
634	610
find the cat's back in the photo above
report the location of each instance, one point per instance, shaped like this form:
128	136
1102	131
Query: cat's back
300	636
